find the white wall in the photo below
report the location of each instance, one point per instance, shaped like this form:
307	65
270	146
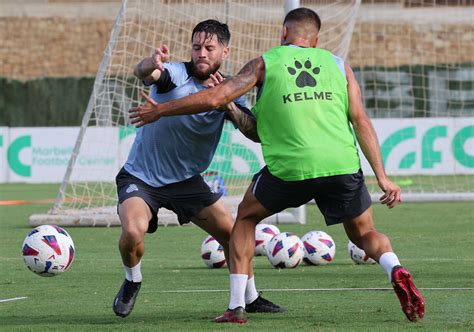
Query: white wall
432	146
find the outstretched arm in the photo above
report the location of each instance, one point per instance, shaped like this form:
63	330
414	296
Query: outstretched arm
150	69
368	141
250	75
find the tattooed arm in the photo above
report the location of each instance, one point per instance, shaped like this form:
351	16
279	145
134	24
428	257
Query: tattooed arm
240	116
246	123
250	75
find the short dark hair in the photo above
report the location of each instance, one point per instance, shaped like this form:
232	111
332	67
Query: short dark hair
303	15
213	27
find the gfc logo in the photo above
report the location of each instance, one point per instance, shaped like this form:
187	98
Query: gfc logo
429	155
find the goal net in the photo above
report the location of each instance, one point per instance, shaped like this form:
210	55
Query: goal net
87	195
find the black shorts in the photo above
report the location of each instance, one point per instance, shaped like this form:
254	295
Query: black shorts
339	198
186	198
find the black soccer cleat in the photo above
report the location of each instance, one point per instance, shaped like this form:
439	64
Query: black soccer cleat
263	305
125	299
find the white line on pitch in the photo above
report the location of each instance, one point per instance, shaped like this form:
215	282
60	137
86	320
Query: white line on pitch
347	260
14	299
310	290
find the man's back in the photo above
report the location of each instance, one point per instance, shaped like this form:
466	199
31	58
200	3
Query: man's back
303	111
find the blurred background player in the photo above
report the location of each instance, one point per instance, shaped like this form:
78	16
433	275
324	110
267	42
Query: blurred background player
308	98
167	158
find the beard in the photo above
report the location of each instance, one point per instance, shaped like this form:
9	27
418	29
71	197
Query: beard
204	74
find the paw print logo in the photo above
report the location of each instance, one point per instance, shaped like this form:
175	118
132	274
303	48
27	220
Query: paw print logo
304	77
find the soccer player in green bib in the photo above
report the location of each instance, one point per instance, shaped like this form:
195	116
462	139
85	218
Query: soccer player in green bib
307	100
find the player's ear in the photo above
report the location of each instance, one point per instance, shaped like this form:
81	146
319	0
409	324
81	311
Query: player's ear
225	53
284	34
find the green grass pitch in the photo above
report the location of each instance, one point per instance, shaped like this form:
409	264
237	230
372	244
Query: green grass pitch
435	241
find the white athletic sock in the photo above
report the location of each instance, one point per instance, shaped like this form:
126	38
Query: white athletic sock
388	260
251	293
238	283
133	273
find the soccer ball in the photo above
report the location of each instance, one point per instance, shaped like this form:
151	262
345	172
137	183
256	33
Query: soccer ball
285	250
48	250
212	253
319	248
358	255
263	234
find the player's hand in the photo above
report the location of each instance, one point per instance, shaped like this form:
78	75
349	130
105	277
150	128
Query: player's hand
217	79
392	193
160	56
146	113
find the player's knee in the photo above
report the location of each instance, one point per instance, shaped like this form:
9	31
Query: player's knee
247	214
381	238
358	235
371	238
241	210
221	231
133	232
132	236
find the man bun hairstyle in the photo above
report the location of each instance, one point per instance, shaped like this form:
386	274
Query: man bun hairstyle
300	15
213	27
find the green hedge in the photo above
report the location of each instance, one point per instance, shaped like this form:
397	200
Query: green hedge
44	102
63	101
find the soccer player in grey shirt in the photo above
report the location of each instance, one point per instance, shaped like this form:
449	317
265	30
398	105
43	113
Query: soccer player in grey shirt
167	158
